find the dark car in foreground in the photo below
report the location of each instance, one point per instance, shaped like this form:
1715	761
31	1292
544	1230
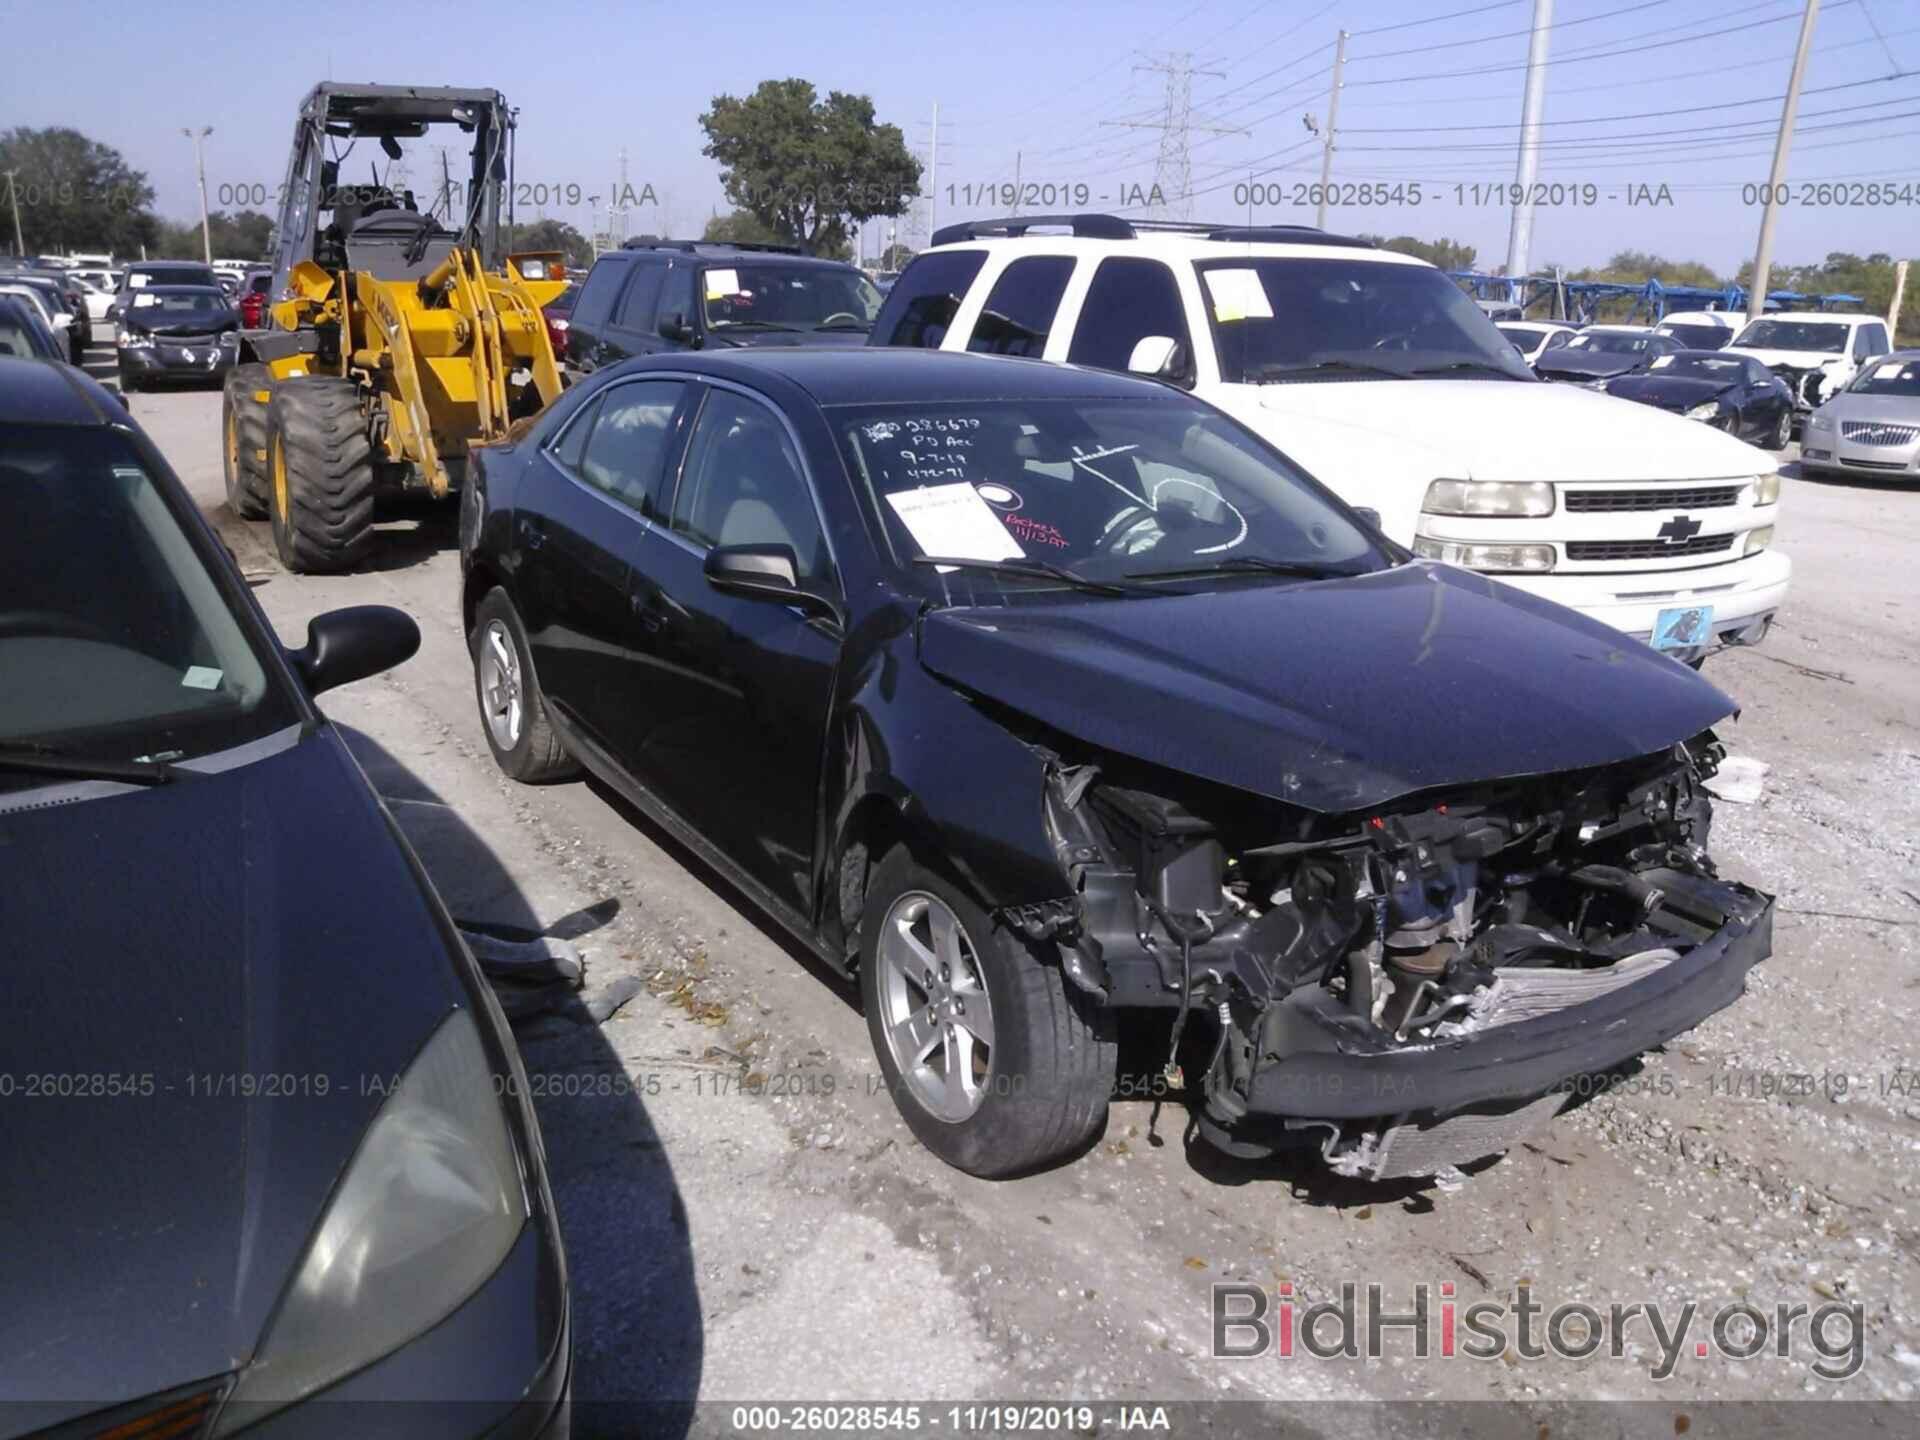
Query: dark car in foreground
266	1132
1734	393
655	296
174	333
1033	694
1598	354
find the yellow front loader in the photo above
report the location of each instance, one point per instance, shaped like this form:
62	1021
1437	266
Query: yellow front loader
395	340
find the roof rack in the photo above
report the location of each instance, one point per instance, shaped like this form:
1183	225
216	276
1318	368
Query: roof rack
1095	226
693	247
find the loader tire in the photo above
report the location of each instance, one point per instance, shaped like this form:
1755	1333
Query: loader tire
320	474
243	441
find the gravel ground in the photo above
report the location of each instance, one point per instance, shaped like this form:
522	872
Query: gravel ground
728	1245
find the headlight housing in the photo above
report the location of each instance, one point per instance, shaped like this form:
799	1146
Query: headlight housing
1707	410
1757	540
431	1203
1766	488
1817	421
134	340
230	339
1482	498
1473	555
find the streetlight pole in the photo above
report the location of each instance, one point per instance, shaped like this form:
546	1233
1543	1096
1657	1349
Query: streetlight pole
13	193
200	165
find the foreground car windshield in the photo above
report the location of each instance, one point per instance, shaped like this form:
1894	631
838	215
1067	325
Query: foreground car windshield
1282	319
114	639
1794	335
1105	490
1889	377
789	296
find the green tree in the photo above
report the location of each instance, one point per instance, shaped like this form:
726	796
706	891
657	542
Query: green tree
552	235
1447	254
741	227
73	193
806	167
895	257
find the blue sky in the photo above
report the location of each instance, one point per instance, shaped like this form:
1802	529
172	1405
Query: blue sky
1045	81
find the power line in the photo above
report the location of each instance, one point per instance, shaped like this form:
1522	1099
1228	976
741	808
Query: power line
1656	139
1436	19
1510	34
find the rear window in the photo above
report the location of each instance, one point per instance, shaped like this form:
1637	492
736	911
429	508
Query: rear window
923	301
138	279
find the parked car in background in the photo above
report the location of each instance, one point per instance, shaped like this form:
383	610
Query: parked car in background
1031	695
1734	393
558	313
52	311
97	297
253	297
175	333
24	334
1815	352
1702	329
1375	372
655	296
1531	337
260	1007
1600	352
1872	427
62	297
142	273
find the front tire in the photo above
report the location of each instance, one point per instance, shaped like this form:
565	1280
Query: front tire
1782	431
513	712
996	1064
243	440
320	474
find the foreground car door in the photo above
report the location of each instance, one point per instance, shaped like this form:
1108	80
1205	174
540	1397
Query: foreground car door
728	723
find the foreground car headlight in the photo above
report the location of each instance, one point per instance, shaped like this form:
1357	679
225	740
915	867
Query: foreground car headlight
1532	559
230	339
134	340
1766	488
1817	421
1757	540
430	1205
1488	497
1706	411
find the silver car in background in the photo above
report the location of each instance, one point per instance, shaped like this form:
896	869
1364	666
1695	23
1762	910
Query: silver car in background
1873	426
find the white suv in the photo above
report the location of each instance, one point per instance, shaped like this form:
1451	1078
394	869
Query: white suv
1816	352
1381	378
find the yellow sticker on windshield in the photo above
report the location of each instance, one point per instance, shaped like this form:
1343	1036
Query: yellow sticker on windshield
722	283
1238	295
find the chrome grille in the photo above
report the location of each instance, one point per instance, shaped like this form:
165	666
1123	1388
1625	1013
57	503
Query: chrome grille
1647	549
1589	502
1868	432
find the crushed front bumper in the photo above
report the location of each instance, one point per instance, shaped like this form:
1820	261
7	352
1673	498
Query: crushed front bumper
1338	1068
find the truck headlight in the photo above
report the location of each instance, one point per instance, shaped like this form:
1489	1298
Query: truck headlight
1757	540
1489	497
1526	559
430	1205
1706	411
1766	488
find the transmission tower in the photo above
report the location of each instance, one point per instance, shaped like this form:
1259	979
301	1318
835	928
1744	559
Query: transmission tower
1173	167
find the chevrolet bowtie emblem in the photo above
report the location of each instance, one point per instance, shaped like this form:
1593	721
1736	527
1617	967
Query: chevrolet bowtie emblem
1679	528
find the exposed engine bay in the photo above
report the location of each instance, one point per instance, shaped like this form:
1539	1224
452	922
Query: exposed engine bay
1399	988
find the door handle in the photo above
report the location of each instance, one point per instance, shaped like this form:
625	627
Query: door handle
651	619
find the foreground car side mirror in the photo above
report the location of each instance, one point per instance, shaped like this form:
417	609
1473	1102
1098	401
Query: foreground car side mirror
1368	514
353	643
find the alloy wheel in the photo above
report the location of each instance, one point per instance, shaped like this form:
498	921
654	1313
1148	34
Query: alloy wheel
500	685
937	1015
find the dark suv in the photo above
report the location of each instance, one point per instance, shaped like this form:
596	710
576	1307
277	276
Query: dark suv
659	295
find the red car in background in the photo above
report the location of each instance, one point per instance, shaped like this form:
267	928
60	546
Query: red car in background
253	298
558	313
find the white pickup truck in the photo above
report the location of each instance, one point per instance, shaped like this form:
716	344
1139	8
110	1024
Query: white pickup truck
1382	379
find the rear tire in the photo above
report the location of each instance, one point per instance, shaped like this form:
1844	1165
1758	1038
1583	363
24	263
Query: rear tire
1039	1091
513	712
243	440
1782	431
319	474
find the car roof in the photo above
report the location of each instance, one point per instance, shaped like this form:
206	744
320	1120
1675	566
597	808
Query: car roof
183	290
884	374
721	250
32	392
168	265
1096	234
1828	315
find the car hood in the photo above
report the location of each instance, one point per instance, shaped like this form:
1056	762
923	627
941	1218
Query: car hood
1873	409
765	339
1596	363
1336	695
1676	392
262	922
188	325
1793	359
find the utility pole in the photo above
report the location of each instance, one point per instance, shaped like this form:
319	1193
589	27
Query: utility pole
1893	310
1173	166
200	165
1333	119
1777	177
13	193
1527	168
933	176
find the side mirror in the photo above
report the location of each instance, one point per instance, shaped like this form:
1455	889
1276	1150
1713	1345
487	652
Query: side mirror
768	571
1152	355
674	326
1368	514
351	644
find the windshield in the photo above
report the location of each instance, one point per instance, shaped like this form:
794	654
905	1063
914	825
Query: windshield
1280	319
1610	342
189	275
1107	490
1794	335
1698	337
114	639
789	297
154	305
1722	368
1895	376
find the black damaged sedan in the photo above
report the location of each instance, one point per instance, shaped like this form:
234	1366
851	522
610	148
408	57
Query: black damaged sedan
1734	393
1034	694
269	1167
